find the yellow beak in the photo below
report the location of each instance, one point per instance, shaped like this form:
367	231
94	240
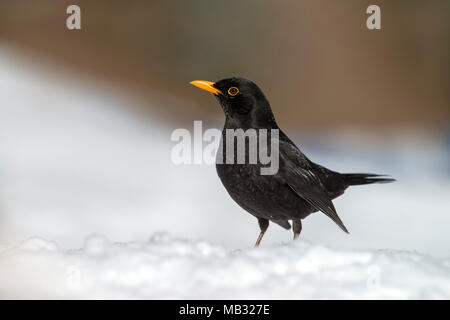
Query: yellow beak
206	85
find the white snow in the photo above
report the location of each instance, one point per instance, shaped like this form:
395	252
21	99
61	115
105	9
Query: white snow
74	162
165	267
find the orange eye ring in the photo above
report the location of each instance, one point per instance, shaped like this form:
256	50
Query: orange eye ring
233	91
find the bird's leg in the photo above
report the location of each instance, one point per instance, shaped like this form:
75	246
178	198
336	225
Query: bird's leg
297	227
263	225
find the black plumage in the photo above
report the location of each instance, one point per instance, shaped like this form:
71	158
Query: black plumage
299	187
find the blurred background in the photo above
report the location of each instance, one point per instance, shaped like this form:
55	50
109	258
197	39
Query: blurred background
86	116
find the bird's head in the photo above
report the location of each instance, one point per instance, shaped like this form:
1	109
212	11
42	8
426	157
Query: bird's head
242	101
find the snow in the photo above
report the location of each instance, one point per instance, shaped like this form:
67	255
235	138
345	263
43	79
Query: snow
165	267
74	164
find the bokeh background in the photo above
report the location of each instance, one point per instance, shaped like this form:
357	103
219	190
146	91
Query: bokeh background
316	60
86	116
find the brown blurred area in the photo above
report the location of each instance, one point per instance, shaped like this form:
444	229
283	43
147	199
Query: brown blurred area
316	61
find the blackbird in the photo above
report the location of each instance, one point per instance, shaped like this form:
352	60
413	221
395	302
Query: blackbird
298	188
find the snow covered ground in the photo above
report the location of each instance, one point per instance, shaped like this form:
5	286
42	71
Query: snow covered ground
165	267
75	164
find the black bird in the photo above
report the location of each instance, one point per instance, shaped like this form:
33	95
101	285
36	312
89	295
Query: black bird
299	187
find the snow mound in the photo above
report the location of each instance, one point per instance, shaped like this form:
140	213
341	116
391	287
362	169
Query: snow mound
166	267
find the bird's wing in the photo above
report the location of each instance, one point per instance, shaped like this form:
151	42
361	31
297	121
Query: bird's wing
297	172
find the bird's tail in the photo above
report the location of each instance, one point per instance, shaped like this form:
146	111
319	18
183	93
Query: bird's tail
356	179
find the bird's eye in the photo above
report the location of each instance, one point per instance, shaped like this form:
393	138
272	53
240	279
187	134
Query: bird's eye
233	91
